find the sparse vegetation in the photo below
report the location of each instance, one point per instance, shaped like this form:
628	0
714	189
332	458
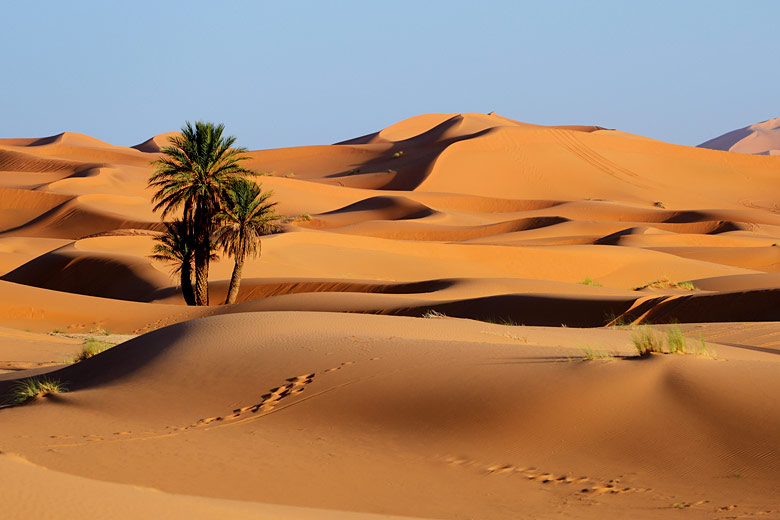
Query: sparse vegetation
90	348
591	354
33	387
647	341
288	175
431	313
675	340
507	322
354	171
659	204
57	331
622	320
398	154
303	217
666	283
587	281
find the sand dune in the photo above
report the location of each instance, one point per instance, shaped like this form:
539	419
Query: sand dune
323	393
761	138
321	401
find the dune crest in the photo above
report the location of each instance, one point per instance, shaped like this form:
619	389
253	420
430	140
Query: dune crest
761	138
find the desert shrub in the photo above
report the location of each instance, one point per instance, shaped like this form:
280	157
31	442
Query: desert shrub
430	314
590	353
647	341
587	281
90	348
666	283
659	204
33	387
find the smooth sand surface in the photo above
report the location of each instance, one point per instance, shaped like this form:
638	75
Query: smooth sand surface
323	393
761	138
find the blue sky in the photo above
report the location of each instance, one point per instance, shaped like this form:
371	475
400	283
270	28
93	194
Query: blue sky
287	73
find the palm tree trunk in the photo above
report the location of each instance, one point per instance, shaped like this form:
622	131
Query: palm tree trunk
202	252
235	281
186	284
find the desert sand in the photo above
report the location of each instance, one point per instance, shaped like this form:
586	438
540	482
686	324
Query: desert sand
324	392
761	138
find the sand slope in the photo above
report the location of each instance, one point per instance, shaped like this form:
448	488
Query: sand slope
761	138
415	417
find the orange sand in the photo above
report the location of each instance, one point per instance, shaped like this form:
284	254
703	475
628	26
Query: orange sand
300	402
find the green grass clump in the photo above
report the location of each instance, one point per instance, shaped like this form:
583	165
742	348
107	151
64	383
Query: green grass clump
590	353
33	387
647	341
588	281
675	340
90	348
612	320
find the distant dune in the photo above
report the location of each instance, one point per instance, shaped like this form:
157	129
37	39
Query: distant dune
760	138
324	393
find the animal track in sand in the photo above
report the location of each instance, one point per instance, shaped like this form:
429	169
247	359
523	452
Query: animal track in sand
530	473
340	366
268	402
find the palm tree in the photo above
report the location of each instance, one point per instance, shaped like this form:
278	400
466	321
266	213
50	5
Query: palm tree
246	215
193	172
175	246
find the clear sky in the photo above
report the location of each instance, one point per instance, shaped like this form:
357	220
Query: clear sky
292	72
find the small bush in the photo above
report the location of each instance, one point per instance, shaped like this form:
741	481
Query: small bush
659	204
398	154
430	314
303	217
588	281
590	353
675	340
33	387
622	320
90	348
647	341
666	283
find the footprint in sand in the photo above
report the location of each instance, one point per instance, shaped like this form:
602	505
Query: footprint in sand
531	473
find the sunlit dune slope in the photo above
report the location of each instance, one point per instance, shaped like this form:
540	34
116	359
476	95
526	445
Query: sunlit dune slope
457	196
446	410
761	138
